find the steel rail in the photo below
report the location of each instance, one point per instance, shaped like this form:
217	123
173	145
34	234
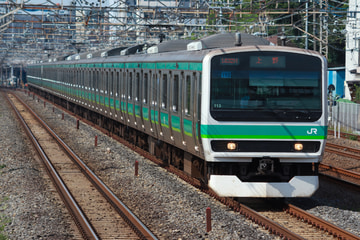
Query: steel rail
320	223
342	153
336	146
268	224
79	217
142	231
332	169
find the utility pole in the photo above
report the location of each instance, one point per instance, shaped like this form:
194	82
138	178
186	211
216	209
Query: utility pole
324	29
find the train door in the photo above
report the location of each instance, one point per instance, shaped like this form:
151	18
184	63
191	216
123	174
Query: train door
188	119
86	86
64	86
85	83
107	91
175	108
123	92
130	98
97	88
137	99
197	112
82	90
74	78
113	91
68	81
154	111
146	103
79	84
103	88
89	85
164	120
92	88
81	87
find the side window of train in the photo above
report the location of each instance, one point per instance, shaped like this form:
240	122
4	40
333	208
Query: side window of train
175	93
188	95
164	89
145	88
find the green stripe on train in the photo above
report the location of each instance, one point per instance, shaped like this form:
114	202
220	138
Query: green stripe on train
263	132
137	111
195	66
175	123
145	113
164	119
188	127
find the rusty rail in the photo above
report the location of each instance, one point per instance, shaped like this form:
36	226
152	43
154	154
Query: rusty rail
268	224
339	171
343	148
343	151
320	223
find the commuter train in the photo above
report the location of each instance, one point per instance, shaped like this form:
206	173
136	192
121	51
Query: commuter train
246	117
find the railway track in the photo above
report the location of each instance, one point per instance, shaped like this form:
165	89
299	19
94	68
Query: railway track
288	221
348	176
97	212
300	223
284	222
343	151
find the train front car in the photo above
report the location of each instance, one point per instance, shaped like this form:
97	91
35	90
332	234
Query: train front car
263	121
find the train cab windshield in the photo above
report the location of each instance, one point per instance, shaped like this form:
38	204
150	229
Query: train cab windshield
266	86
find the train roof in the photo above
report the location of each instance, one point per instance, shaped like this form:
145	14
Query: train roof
170	46
223	40
186	49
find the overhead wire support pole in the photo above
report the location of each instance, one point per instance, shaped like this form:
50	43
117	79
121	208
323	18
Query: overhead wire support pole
324	29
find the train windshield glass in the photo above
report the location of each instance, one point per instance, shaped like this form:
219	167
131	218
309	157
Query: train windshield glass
266	86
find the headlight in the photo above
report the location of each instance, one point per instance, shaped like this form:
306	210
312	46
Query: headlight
298	146
231	146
